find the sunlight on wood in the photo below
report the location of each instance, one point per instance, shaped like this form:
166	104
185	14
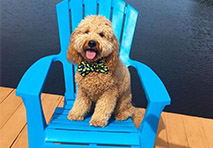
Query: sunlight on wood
174	130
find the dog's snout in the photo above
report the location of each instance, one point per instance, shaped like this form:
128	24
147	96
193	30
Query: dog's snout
92	43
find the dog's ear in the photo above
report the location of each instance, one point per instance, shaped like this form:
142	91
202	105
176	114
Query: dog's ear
72	54
112	59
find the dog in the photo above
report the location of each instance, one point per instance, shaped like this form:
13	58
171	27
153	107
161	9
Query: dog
101	76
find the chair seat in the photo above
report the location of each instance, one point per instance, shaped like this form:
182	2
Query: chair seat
81	134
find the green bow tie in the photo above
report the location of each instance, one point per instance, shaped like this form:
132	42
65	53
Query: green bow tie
84	68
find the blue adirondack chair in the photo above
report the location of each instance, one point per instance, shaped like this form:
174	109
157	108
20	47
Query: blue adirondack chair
64	133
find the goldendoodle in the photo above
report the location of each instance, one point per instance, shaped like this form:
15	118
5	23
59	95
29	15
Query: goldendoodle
101	76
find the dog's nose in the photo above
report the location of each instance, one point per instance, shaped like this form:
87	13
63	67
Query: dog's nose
92	43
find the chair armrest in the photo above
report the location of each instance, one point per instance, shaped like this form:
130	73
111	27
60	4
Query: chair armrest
157	97
33	80
29	89
154	88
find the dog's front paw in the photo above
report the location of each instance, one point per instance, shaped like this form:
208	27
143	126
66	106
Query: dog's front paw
122	116
73	116
98	122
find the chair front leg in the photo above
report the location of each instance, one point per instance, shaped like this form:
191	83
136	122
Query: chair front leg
36	122
149	125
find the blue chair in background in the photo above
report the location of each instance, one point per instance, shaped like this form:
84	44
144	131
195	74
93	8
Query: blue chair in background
63	133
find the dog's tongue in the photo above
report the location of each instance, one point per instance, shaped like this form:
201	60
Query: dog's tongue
90	54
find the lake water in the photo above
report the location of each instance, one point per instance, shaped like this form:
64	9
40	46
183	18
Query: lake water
174	38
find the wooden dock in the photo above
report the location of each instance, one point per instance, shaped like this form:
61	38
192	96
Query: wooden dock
174	131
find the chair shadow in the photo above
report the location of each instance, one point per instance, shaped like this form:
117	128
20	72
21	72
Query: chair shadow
159	142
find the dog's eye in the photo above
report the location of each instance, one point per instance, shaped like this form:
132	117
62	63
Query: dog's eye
101	34
86	32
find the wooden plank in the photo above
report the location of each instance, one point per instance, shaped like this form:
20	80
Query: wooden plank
13	126
8	107
195	134
22	139
4	92
61	104
182	131
175	131
49	104
161	140
207	126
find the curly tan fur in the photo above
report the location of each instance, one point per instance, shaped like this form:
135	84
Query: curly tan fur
110	92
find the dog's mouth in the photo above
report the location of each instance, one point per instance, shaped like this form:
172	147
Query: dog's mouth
91	53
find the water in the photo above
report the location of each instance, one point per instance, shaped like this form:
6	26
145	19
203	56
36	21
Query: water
174	38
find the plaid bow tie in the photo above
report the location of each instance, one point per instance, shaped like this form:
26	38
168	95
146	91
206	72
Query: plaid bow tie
84	68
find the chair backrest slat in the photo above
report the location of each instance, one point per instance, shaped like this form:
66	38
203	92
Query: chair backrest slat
64	35
76	10
105	8
128	31
90	7
117	16
63	24
76	7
